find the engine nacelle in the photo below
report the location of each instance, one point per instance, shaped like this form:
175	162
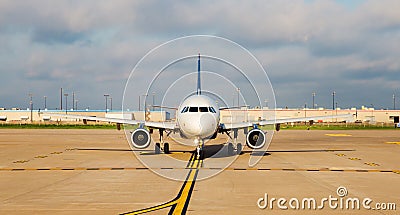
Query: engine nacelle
255	139
140	138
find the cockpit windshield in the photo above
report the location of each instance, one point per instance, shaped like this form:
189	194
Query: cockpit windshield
193	109
198	109
212	110
203	109
185	109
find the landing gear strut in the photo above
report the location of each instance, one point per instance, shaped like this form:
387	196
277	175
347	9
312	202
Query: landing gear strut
239	146
199	149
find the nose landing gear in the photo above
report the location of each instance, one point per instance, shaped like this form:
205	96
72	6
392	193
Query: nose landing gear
199	149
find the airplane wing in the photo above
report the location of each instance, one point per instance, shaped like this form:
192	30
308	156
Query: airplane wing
282	120
165	125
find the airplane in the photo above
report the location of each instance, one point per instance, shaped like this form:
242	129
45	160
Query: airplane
198	119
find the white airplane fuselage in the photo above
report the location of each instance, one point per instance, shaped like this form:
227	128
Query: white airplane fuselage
198	117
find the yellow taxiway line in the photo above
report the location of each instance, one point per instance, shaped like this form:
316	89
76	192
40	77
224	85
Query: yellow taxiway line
180	203
338	135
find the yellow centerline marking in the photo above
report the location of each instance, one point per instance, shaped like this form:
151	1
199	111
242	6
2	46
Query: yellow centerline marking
155	208
180	203
371	164
398	143
21	161
41	156
338	135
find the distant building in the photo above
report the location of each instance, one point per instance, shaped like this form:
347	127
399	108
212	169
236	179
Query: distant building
366	115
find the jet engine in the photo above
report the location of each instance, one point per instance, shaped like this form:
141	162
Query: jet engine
255	139
140	138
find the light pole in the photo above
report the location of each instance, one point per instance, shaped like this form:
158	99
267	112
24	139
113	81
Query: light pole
73	100
61	94
238	95
139	103
45	102
305	110
394	101
76	104
144	102
66	104
372	113
313	100
154	95
105	96
336	112
333	100
31	105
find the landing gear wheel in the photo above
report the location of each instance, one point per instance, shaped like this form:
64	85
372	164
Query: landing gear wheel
157	149
239	148
166	148
230	149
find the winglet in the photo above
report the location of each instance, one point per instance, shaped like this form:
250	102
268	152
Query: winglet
198	77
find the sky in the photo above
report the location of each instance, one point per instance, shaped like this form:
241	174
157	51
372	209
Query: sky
91	47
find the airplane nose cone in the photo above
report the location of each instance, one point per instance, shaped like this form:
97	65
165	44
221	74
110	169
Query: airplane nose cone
198	126
207	124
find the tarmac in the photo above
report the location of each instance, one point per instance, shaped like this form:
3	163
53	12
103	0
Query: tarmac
94	171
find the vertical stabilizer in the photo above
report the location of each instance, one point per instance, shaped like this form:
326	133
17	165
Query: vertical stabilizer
198	77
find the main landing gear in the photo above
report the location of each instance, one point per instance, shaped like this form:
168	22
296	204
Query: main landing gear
165	146
239	146
231	149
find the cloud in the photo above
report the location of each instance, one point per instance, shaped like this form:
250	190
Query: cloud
308	46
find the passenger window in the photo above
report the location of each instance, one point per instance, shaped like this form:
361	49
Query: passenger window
193	109
212	110
203	109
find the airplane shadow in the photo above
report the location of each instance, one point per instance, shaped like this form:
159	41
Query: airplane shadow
221	151
313	150
112	150
215	151
218	151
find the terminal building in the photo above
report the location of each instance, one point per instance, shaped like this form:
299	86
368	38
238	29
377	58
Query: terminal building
363	115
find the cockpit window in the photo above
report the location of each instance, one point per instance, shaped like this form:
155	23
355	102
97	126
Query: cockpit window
193	109
212	110
203	109
185	109
198	109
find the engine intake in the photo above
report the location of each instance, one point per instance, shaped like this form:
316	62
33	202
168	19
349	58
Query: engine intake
140	138
255	139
